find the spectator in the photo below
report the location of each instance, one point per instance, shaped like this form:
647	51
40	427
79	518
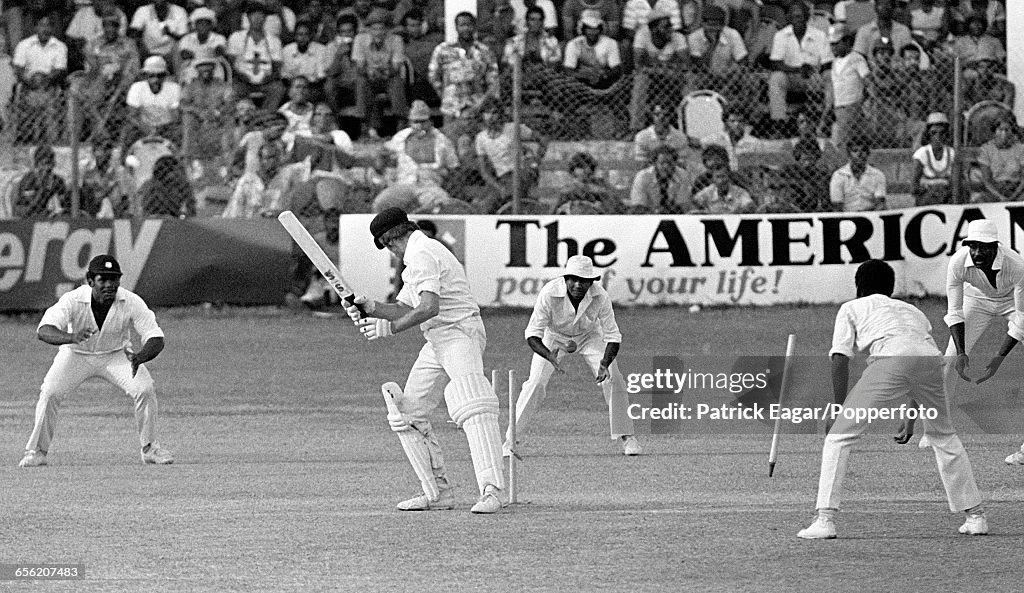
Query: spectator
256	57
759	45
1001	161
306	58
112	64
804	182
857	186
992	10
41	193
158	26
719	56
430	17
573	11
586	187
321	20
269	131
521	8
933	164
341	74
103	192
425	157
267	190
849	70
665	186
930	22
40	65
298	110
920	93
714	156
206	105
800	54
201	44
988	85
882	28
636	14
279	22
854	14
360	11
419	46
723	196
884	108
332	156
537	48
661	132
464	73
379	58
87	24
168	192
496	158
660	59
736	139
976	43
244	121
153	104
593	57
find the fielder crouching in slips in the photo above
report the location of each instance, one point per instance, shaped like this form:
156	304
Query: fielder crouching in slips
904	362
576	308
92	326
436	297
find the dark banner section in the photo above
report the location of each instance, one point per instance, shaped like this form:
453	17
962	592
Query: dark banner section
167	262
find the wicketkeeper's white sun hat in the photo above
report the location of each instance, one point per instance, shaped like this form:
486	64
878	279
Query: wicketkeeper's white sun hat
580	266
982	231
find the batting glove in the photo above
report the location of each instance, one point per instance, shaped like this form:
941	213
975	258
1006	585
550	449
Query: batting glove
375	329
353	311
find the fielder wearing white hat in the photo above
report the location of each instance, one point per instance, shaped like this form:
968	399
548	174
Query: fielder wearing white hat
573	314
981	231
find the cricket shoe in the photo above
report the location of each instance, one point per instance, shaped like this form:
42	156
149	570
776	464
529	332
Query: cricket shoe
157	455
489	503
975	525
822	528
1015	459
32	458
445	502
631	447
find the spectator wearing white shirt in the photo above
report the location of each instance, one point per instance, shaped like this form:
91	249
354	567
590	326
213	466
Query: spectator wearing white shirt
719	57
857	186
40	65
800	55
660	61
307	58
256	56
153	104
87	25
636	15
661	132
736	139
593	57
158	27
849	70
723	196
883	27
933	164
201	44
280	21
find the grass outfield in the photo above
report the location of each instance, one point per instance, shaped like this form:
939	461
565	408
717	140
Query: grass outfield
286	476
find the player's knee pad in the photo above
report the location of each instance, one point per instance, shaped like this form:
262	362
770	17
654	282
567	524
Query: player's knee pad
468	396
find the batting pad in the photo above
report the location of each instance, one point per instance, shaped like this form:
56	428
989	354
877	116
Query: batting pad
468	396
484	438
418	442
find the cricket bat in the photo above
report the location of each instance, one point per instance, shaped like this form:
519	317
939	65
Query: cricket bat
316	255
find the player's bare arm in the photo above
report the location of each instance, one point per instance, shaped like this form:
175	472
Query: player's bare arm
390	318
840	377
149	351
992	367
57	337
962	363
537	345
611	350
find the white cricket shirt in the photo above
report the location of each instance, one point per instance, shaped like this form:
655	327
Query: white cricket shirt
73	312
1009	268
430	267
883	326
554	312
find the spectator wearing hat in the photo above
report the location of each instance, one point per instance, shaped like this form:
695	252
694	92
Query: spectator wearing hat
153	104
800	56
40	66
206	108
256	57
849	71
41	193
1001	161
158	26
424	158
857	186
464	73
419	45
933	164
605	10
883	27
661	58
988	84
201	44
379	58
306	58
111	66
593	56
665	186
636	14
719	58
280	20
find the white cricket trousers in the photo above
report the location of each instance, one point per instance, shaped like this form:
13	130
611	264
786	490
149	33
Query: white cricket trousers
591	348
70	369
979	312
887	380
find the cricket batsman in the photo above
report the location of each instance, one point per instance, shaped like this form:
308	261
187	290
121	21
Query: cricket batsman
436	297
574	314
904	362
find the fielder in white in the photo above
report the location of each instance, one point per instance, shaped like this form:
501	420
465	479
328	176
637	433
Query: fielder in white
574	314
904	361
984	283
436	297
92	326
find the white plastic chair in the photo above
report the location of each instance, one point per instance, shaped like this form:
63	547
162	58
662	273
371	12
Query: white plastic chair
700	114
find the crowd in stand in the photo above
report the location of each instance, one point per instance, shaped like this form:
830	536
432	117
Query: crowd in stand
272	94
